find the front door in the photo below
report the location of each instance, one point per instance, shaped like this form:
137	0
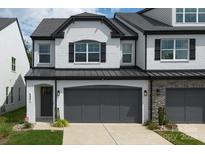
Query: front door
46	101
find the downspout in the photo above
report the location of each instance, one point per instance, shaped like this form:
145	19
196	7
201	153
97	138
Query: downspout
55	103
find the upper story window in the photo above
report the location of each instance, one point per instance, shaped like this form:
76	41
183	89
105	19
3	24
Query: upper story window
13	64
127	53
44	53
87	52
174	49
190	15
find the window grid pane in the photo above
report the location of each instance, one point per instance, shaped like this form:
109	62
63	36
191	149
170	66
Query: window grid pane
80	47
127	48
44	49
93	47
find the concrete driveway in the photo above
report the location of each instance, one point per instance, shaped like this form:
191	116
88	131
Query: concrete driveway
194	130
110	134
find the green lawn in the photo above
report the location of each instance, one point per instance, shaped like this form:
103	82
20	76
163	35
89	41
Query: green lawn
179	138
8	120
14	116
36	137
32	137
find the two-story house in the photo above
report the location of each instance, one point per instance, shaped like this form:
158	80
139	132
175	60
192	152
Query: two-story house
14	65
89	68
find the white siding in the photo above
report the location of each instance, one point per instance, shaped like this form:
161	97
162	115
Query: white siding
161	14
198	63
11	45
88	30
133	83
36	53
140	55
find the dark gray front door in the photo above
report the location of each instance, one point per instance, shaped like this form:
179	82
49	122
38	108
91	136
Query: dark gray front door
46	101
186	105
103	104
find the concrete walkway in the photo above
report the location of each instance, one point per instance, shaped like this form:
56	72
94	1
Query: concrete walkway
110	134
194	130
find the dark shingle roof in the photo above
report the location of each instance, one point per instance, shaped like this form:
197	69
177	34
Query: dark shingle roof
4	22
86	74
126	31
145	10
86	14
48	26
148	24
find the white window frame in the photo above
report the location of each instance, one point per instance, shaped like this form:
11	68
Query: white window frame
184	22
44	53
174	51
87	52
127	53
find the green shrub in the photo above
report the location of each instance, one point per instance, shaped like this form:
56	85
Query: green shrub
153	126
165	122
27	125
61	123
147	123
161	115
5	129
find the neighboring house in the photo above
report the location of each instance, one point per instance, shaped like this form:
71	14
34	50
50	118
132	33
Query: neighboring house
89	68
13	65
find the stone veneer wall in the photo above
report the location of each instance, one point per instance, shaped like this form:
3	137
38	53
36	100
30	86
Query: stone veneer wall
160	100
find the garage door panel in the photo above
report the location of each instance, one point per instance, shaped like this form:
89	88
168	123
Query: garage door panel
189	101
195	99
129	106
175	105
110	106
72	107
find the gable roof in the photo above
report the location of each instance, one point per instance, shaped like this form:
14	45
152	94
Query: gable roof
53	27
47	27
151	26
4	22
145	10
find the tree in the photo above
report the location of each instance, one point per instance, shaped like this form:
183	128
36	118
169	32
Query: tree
28	51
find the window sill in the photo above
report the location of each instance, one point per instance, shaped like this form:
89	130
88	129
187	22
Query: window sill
174	61
87	63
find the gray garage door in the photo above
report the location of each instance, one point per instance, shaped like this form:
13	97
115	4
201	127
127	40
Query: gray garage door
186	105
103	104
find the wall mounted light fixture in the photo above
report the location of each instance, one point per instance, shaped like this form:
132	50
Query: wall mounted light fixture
58	92
145	92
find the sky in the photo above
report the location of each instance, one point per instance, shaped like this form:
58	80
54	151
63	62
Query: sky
29	18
